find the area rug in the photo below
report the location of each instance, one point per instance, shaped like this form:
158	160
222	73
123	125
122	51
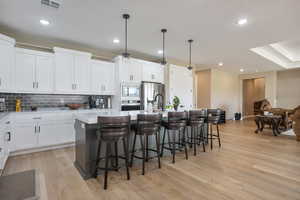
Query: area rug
19	186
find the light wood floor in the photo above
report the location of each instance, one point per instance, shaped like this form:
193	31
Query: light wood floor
248	166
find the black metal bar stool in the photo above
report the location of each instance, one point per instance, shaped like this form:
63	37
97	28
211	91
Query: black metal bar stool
147	125
176	123
213	119
196	123
111	131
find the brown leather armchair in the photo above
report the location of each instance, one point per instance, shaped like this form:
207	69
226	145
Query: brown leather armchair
296	119
265	105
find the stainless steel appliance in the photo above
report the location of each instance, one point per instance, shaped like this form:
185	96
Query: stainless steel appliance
130	92
130	105
152	96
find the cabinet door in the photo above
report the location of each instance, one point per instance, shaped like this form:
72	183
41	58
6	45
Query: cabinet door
135	71
48	134
2	150
6	65
147	72
24	136
82	73
124	65
160	73
24	74
44	73
110	83
67	133
64	72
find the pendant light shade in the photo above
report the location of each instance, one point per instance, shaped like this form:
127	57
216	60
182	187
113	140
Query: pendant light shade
126	54
164	62
190	54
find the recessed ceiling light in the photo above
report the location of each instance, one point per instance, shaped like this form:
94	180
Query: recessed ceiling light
220	64
242	70
44	22
256	70
116	41
242	22
160	51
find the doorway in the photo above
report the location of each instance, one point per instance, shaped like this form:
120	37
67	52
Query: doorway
253	90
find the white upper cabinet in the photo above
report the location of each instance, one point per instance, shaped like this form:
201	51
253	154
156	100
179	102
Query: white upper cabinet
6	62
130	69
102	77
44	73
33	71
153	72
82	66
72	71
64	73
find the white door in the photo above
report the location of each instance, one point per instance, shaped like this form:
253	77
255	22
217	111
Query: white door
44	73
82	73
24	136
48	134
124	65
147	72
24	74
67	133
64	72
135	71
6	65
110	83
2	149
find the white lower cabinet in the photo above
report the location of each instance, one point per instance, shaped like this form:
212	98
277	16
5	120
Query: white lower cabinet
24	136
55	133
38	131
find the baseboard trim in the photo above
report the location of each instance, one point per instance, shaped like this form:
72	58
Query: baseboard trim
39	149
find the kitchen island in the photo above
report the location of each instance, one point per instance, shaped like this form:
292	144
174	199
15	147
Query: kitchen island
86	138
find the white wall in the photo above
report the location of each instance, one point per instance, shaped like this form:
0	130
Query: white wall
225	92
270	84
288	90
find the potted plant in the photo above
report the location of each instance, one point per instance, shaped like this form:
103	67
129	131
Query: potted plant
176	102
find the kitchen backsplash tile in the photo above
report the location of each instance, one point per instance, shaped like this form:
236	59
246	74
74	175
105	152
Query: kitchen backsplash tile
44	100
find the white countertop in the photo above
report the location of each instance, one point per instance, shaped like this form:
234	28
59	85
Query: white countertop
91	118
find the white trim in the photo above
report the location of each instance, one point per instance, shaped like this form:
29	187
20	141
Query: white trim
39	149
58	49
7	39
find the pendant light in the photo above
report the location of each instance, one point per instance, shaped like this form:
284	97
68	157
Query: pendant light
164	62
190	56
126	17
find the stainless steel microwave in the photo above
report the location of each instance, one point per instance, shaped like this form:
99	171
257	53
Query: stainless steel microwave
131	91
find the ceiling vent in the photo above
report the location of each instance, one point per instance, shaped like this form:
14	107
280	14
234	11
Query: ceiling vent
51	3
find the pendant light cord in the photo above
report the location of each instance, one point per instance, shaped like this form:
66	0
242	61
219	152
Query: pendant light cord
190	57
126	17
164	55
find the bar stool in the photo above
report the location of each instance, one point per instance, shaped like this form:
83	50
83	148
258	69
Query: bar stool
111	131
196	123
176	123
213	118
147	125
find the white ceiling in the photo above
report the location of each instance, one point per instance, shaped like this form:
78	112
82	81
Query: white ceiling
211	23
286	54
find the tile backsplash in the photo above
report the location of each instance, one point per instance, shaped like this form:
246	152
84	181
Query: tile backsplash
44	100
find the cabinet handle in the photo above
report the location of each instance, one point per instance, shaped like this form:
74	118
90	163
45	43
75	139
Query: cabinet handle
35	129
0	81
9	136
37	84
8	122
33	84
36	118
39	129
